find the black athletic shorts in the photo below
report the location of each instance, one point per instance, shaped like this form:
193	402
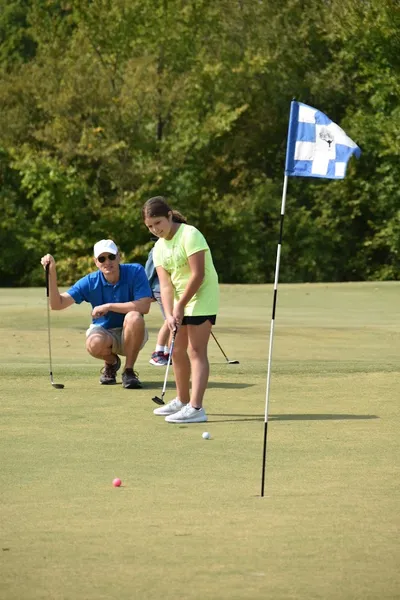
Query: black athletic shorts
199	320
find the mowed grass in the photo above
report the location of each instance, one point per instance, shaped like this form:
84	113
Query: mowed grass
189	522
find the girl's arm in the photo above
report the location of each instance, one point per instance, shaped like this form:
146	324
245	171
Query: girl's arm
166	290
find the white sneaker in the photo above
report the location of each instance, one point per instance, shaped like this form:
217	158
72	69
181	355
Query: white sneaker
170	408
188	414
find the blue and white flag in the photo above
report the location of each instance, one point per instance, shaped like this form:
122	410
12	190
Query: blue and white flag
316	146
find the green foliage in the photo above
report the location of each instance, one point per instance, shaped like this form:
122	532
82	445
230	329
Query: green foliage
16	44
15	259
106	103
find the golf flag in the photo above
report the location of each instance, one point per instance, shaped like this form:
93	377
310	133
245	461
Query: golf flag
316	147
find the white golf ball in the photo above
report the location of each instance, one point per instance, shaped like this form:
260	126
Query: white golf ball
206	435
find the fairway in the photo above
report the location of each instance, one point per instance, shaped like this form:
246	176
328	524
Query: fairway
188	521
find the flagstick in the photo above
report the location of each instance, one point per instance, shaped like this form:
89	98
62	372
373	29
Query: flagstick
302	162
271	335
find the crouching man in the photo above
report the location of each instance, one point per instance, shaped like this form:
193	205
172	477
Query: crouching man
120	295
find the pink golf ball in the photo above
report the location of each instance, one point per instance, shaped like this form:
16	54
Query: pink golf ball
117	482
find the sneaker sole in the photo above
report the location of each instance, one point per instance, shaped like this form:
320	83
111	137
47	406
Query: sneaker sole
193	420
132	386
107	382
157	364
165	414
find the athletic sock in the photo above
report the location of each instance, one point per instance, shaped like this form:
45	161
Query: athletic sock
159	348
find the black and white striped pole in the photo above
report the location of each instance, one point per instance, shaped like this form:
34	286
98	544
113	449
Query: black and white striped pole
271	335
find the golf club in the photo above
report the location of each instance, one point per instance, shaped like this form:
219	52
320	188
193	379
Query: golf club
156	399
230	362
58	386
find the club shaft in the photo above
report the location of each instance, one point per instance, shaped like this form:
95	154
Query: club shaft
168	364
219	346
48	321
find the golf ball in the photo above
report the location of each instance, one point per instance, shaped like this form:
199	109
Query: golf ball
116	482
206	435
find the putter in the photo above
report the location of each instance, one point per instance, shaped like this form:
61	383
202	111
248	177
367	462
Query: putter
58	386
156	399
230	362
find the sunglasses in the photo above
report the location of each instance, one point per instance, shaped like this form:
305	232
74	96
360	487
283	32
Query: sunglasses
103	259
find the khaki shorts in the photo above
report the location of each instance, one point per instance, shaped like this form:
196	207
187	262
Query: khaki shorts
117	335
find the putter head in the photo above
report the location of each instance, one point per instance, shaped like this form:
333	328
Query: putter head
158	400
233	362
57	386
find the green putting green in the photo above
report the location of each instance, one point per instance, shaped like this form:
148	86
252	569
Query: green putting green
188	521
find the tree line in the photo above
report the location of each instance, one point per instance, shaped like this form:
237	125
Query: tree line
105	103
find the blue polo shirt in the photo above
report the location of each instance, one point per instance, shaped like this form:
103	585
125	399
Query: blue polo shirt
95	289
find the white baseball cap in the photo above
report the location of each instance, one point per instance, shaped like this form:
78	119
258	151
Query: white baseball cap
104	246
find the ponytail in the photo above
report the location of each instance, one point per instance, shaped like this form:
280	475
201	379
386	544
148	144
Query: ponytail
158	207
177	217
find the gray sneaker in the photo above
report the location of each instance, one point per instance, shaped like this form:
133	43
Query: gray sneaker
109	372
130	380
170	408
188	414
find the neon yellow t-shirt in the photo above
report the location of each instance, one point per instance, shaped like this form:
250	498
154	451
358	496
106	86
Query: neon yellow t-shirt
173	254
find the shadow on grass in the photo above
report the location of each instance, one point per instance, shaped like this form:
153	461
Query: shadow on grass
299	417
148	385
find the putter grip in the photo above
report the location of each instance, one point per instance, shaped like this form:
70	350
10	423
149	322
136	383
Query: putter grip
47	280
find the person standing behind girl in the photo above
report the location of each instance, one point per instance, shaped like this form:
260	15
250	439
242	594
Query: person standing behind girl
190	297
159	357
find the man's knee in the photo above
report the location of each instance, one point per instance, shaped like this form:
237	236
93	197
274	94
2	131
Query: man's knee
96	344
134	330
134	320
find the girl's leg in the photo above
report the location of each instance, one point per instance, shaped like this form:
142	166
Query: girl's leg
198	336
181	365
163	335
164	332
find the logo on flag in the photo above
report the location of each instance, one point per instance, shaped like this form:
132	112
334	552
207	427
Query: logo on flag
316	146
